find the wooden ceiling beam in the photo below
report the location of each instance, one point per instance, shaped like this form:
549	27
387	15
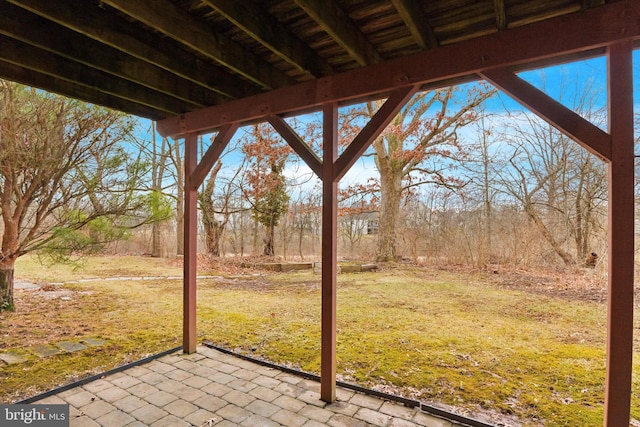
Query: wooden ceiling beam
97	24
515	47
330	16
414	18
501	14
586	4
19	24
44	62
270	33
173	21
46	82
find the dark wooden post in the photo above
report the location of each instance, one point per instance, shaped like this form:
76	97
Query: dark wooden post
190	246
329	253
621	236
195	174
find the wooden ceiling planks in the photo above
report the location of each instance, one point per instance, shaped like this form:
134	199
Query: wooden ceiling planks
160	58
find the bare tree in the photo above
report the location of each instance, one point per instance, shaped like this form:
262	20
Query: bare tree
213	228
155	154
216	207
481	169
302	213
405	154
159	157
174	152
560	186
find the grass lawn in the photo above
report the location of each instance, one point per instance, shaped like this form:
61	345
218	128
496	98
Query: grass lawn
462	339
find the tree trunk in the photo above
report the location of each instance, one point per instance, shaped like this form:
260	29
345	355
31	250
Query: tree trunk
6	285
268	241
580	232
156	240
584	210
241	234
213	229
390	196
254	238
486	195
155	166
179	201
284	228
158	175
548	236
213	234
300	238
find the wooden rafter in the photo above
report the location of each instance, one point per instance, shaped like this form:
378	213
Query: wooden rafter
96	24
193	42
586	4
18	24
46	63
333	20
267	31
501	14
20	74
176	23
415	19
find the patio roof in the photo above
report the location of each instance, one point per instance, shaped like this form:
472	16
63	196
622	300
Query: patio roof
161	58
214	65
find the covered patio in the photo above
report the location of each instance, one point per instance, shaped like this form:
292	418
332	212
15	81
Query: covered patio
210	388
213	66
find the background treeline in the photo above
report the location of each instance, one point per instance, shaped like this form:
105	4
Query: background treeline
488	188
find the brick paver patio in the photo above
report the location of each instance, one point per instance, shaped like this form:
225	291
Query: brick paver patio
211	388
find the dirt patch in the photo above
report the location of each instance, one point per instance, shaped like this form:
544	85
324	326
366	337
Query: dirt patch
227	266
257	282
579	284
40	317
570	286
